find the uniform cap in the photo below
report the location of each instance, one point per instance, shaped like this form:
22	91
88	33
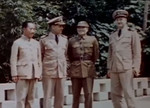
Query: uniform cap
82	24
57	21
120	13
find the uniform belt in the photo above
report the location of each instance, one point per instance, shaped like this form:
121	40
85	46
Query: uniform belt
82	58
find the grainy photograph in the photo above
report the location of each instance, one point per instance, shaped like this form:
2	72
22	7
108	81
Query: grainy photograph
74	53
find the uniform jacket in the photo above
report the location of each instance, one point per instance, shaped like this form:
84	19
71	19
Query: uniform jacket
26	58
54	55
124	51
82	53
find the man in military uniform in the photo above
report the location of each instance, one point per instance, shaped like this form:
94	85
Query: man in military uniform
83	51
124	59
26	66
54	51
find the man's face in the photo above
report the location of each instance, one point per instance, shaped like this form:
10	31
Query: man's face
121	22
57	29
81	30
29	31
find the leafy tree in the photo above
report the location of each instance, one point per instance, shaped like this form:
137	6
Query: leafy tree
12	14
97	12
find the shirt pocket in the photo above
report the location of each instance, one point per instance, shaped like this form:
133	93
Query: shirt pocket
76	49
49	45
63	48
126	43
88	48
22	68
127	39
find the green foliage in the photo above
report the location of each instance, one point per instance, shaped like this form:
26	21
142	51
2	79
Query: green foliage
102	32
97	12
100	19
146	43
12	14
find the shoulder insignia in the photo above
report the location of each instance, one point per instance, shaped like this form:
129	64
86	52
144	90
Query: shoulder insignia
131	28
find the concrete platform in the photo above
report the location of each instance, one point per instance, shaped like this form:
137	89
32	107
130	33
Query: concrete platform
101	94
142	102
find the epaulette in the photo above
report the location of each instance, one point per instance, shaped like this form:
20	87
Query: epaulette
131	29
65	36
43	36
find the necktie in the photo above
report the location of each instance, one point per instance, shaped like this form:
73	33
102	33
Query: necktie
119	33
56	39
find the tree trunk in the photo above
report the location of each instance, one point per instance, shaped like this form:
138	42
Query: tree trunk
146	8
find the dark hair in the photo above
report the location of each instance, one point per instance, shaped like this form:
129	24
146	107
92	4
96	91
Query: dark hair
25	24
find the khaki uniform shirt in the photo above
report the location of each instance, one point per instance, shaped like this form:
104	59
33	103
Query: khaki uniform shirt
54	56
82	53
124	51
26	58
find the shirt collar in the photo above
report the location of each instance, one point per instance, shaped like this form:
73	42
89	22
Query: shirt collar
26	38
52	35
124	29
84	37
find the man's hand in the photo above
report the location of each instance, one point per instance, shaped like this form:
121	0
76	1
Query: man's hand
136	73
108	74
40	79
15	79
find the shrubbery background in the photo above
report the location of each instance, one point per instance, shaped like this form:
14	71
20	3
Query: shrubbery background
97	12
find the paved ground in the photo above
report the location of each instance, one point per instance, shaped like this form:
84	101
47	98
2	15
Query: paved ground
142	102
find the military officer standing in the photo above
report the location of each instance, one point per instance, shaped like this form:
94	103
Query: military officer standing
124	59
83	51
26	66
54	51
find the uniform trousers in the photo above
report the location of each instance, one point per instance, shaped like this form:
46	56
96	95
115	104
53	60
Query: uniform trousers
53	87
25	91
122	87
87	85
